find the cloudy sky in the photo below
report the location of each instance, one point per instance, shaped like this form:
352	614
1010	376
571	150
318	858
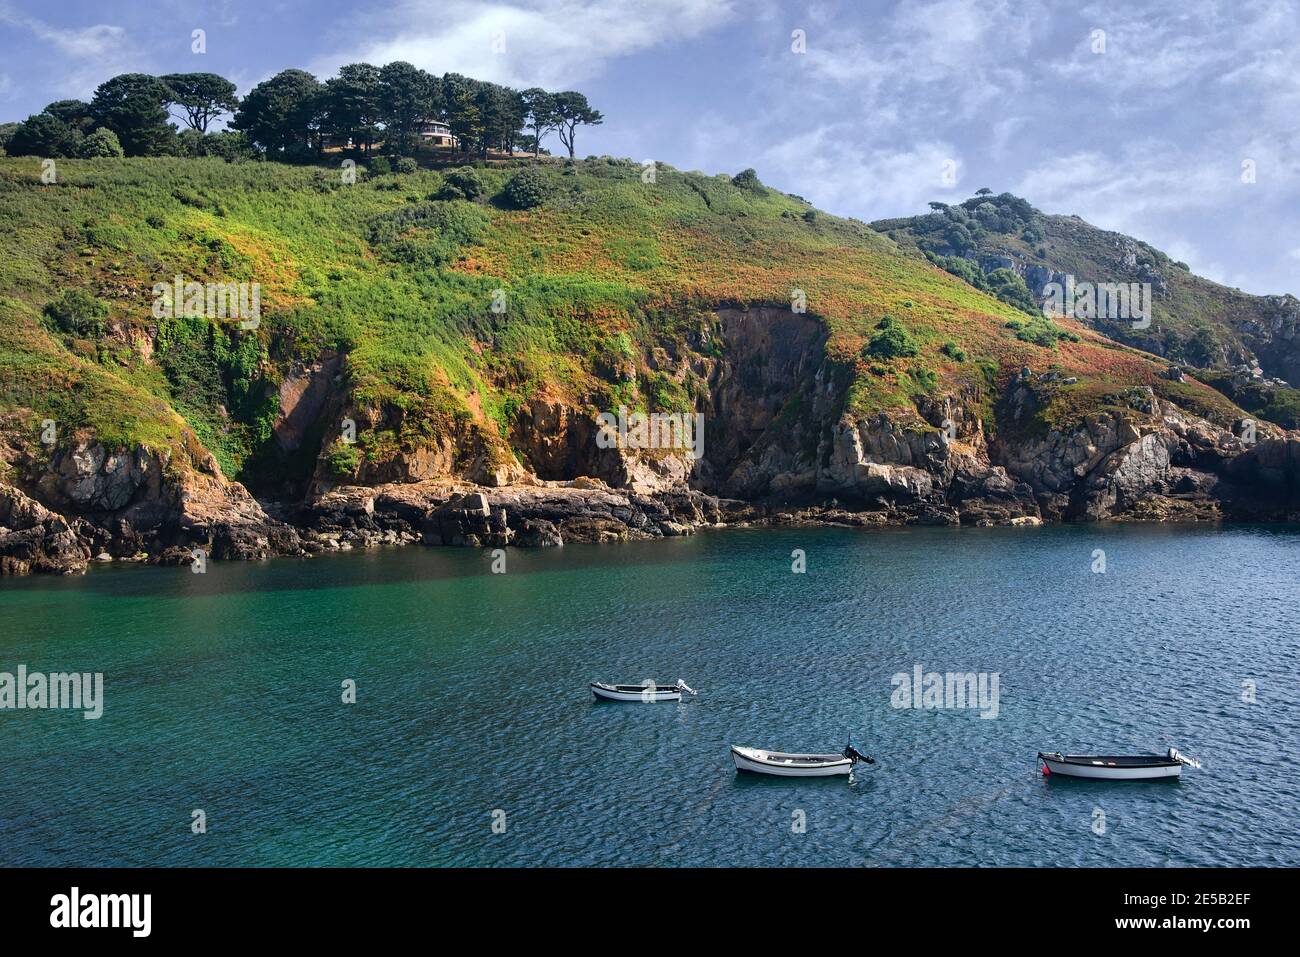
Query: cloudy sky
1175	122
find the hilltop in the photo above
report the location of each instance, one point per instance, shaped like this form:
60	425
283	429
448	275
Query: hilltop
434	344
1246	346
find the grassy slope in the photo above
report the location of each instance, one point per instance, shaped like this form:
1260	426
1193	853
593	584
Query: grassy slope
1196	321
609	269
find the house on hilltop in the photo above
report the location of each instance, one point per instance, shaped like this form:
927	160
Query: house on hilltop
437	134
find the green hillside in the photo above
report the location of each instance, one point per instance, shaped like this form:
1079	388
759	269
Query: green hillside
604	295
1196	322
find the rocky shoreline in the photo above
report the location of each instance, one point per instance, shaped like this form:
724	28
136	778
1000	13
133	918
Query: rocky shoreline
1144	459
34	539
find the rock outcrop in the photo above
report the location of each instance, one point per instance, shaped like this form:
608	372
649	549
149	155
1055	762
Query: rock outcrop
137	504
34	539
540	515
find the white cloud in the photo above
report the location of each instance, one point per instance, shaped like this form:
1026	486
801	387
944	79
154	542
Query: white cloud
89	55
1123	191
834	172
942	59
1156	193
1147	49
1181	250
99	42
549	43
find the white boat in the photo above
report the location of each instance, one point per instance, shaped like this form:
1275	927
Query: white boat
1133	767
790	765
645	693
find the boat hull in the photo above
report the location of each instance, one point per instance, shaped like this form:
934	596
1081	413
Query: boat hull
634	693
757	761
1110	772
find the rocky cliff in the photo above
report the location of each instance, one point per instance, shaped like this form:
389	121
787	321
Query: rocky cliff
781	447
440	369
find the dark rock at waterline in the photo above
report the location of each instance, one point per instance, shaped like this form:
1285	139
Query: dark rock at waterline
35	539
538	533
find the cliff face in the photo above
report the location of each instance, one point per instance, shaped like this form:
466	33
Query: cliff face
434	370
781	446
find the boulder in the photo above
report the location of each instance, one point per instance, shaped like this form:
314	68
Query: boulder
34	539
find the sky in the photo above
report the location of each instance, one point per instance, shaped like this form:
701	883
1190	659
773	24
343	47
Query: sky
1171	121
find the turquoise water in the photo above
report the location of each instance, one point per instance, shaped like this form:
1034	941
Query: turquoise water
222	692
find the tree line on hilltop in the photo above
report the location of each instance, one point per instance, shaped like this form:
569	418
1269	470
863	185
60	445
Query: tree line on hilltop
293	116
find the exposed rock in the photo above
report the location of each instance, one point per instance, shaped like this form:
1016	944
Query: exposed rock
34	539
88	477
304	392
537	533
1127	476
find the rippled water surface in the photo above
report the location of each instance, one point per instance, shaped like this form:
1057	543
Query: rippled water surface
222	692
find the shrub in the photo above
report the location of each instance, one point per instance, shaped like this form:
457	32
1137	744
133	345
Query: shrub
748	179
1041	331
343	459
427	233
463	183
926	379
891	341
380	166
959	237
188	143
299	153
230	145
953	351
78	313
527	188
101	143
1009	287
407	165
963	269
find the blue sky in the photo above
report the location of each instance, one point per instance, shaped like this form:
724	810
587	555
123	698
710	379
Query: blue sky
1147	136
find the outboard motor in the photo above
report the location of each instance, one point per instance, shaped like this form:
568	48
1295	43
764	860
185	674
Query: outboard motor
1176	755
683	686
853	754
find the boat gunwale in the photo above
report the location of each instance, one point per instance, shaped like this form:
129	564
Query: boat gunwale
637	689
797	758
1092	760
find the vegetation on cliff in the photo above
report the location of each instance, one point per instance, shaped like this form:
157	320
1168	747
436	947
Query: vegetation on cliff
1003	245
458	295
